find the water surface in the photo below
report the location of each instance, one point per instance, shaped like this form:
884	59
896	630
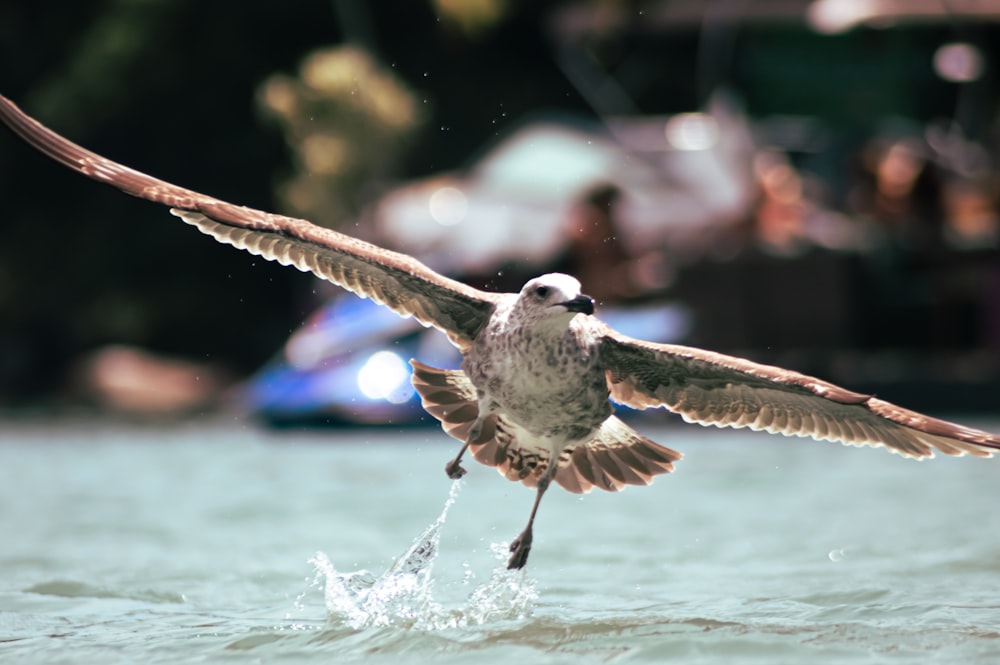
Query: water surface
221	543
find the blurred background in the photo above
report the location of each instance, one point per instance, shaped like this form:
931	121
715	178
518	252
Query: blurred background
810	183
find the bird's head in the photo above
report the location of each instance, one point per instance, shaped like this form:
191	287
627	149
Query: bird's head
554	297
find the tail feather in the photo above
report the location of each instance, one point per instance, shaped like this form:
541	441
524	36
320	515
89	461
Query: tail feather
489	453
616	456
449	396
633	475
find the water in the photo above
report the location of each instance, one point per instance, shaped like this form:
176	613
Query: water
220	543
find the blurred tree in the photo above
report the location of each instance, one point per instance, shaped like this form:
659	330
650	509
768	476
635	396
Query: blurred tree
167	86
110	51
347	121
472	16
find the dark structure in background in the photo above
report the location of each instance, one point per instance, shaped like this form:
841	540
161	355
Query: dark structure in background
169	87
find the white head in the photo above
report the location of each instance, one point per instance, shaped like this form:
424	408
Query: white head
554	297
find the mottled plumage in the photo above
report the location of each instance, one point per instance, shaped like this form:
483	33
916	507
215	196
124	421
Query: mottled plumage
532	397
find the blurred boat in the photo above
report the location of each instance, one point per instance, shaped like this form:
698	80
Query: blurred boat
348	363
681	178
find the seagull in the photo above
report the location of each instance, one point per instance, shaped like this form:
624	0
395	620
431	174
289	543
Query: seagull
539	371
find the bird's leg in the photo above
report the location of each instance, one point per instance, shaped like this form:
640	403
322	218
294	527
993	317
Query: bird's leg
521	546
482	430
454	468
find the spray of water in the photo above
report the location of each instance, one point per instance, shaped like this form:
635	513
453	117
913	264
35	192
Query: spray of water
403	594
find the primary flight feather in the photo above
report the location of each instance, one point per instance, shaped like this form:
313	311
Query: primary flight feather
538	369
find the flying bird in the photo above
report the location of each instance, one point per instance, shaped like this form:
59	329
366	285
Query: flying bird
539	370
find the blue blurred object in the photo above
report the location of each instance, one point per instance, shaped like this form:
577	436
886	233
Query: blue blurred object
349	363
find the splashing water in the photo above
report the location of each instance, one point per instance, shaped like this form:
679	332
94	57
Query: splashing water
402	595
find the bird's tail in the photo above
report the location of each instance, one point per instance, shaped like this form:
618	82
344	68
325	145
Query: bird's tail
615	456
449	396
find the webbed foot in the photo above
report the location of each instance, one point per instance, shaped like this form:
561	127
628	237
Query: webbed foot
454	469
520	549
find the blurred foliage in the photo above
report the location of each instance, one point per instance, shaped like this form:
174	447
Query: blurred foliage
168	87
472	16
346	121
112	48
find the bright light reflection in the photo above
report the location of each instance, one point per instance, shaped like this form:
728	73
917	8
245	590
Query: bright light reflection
958	62
833	16
385	376
448	205
692	131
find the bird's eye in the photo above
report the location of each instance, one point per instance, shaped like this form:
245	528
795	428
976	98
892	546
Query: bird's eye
541	291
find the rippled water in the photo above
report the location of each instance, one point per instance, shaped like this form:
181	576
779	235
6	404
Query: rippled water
220	543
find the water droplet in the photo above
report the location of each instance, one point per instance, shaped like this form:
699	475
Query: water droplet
837	555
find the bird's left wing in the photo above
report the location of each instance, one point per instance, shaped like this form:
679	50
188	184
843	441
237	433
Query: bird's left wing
715	389
396	280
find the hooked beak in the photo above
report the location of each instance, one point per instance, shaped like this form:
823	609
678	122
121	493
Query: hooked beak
582	303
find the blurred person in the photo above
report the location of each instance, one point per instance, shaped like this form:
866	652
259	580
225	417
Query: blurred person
899	197
779	223
972	218
787	221
596	254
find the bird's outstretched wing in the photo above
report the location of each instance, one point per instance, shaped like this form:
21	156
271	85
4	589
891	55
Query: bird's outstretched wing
396	280
715	389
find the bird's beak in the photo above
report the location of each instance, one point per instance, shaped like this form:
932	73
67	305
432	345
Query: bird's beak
582	303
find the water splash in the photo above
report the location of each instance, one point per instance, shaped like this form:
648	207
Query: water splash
403	594
509	594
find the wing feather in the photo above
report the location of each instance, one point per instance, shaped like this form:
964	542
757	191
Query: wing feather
395	280
715	389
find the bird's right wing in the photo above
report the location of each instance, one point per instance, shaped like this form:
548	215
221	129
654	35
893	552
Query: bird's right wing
715	389
395	280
